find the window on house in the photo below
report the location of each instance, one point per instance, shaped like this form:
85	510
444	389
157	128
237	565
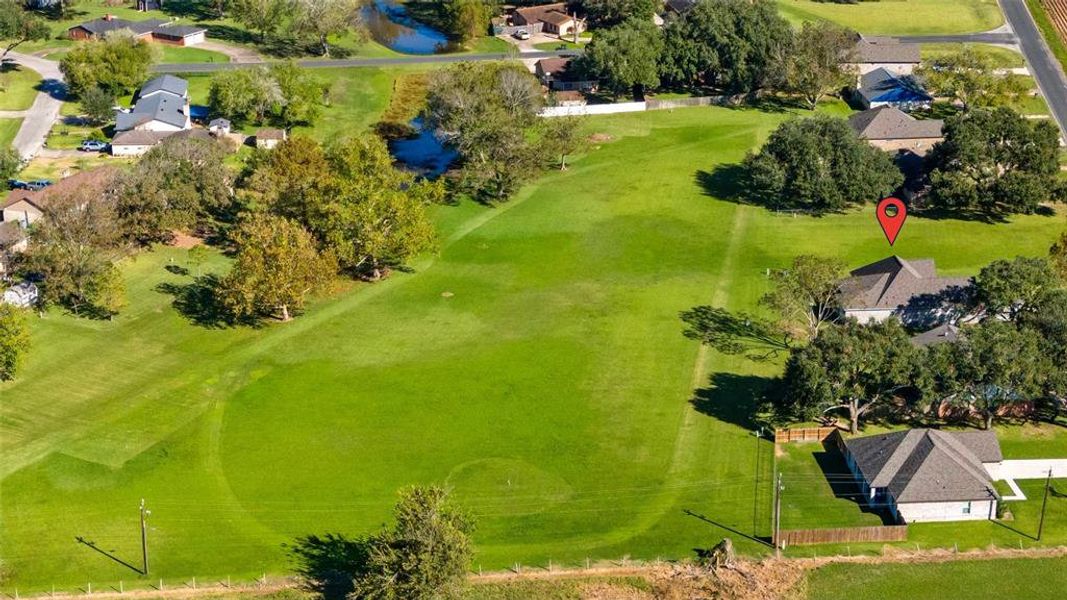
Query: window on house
967	509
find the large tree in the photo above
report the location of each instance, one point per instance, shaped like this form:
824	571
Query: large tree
1058	256
14	340
276	267
265	17
98	105
992	366
75	244
1010	288
244	95
818	164
18	26
465	20
852	368
603	14
487	111
970	78
319	19
178	185
805	295
739	46
370	214
818	62
10	162
625	58
118	65
995	162
424	556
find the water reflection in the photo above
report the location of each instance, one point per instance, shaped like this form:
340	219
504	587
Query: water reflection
390	25
423	153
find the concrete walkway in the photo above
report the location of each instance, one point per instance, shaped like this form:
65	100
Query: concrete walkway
1033	468
37	121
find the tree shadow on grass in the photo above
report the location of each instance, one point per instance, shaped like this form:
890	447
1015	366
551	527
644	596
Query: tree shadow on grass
723	182
733	398
196	10
328	563
199	302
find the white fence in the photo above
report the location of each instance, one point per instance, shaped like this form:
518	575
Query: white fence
593	109
627	107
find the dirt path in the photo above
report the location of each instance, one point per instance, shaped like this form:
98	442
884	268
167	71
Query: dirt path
237	54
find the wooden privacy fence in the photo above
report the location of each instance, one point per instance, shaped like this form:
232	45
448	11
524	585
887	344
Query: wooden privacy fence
842	535
803	434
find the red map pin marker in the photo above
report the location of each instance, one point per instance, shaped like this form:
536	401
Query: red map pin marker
891	215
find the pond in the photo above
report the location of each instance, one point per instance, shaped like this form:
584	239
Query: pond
423	153
390	25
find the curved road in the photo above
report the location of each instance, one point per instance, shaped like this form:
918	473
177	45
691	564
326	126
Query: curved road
38	119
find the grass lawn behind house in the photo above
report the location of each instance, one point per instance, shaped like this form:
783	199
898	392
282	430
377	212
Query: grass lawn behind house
535	364
900	17
1030	578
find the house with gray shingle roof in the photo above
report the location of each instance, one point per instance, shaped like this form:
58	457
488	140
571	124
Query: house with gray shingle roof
161	109
893	130
927	474
871	53
156	30
909	290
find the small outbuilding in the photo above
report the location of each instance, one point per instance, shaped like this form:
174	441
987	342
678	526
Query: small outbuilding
22	295
269	138
219	127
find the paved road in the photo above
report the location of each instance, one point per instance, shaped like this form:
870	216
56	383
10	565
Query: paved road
1043	65
38	120
363	62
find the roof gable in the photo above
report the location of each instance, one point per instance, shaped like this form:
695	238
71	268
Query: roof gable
894	282
927	465
891	123
880	85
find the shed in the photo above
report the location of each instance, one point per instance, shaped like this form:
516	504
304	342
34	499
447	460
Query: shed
269	138
219	127
22	295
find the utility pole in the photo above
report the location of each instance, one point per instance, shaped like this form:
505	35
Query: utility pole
755	495
1044	503
777	533
144	538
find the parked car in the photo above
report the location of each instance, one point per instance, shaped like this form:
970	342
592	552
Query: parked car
38	184
522	34
93	146
17	184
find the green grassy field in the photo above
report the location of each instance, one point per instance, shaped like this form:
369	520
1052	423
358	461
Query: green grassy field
8	129
1030	578
535	364
900	17
1004	58
18	87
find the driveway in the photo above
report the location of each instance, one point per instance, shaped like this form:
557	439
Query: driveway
38	119
237	54
1034	468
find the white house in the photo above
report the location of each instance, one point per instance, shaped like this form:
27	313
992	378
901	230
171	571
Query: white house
162	106
923	475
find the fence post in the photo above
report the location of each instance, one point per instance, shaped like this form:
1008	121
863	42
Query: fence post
89	588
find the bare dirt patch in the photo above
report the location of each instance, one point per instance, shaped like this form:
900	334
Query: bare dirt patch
185	241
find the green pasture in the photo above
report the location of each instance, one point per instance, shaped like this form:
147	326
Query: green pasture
9	128
1031	578
900	17
535	364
